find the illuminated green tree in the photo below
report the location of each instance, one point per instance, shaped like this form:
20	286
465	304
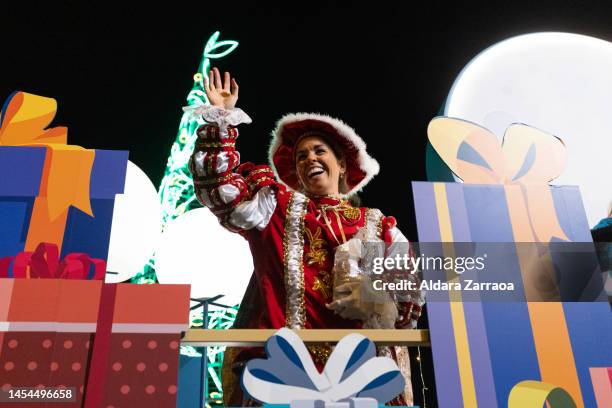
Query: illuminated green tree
176	191
177	196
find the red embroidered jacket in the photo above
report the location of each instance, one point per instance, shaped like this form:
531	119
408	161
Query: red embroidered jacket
292	237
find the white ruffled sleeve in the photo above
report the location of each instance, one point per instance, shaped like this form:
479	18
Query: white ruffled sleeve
239	195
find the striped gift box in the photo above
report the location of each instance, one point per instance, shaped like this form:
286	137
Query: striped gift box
517	351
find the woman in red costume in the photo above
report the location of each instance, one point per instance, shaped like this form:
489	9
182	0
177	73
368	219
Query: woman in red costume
295	214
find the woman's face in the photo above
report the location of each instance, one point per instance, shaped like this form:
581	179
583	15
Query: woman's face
317	166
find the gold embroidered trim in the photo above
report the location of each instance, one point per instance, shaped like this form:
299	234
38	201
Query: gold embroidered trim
209	145
323	283
293	254
321	352
379	227
316	253
351	213
374	220
253	183
266	170
216	180
210	157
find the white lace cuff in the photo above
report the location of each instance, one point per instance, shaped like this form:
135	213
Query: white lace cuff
220	116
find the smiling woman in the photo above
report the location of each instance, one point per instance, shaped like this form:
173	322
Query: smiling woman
296	216
320	169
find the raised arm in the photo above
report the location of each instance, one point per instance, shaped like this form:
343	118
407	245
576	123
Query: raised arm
239	195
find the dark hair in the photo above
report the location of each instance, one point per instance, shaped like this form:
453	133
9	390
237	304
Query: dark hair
355	200
326	138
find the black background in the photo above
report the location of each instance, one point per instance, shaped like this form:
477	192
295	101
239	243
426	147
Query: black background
121	74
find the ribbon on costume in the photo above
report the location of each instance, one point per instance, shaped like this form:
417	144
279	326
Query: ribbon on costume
347	210
44	263
527	159
353	375
65	180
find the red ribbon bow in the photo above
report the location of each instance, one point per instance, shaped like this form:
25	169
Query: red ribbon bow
44	263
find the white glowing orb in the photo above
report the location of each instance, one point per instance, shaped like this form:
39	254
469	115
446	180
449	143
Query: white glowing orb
558	82
195	249
136	226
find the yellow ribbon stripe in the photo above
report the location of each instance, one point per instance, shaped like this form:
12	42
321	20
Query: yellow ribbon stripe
464	360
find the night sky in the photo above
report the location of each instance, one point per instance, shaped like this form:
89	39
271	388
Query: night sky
121	75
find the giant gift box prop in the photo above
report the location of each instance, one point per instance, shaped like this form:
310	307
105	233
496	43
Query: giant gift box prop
47	323
136	347
50	191
47	331
512	353
114	344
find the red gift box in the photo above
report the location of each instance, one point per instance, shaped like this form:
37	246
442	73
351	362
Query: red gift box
114	344
136	349
46	333
48	322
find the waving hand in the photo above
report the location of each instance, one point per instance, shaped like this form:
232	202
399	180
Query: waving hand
221	95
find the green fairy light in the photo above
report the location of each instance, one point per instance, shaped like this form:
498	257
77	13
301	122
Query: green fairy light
218	319
176	191
177	196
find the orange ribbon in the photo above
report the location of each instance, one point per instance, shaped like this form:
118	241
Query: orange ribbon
524	163
65	179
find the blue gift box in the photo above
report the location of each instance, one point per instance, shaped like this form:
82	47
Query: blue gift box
539	340
22	168
498	328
